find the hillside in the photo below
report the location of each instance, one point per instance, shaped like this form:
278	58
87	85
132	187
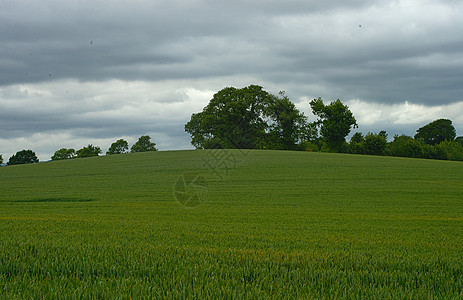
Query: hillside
251	223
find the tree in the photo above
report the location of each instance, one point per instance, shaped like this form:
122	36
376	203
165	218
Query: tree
335	121
287	126
23	157
357	144
436	132
63	153
459	140
232	119
118	147
88	151
404	146
375	144
143	144
1	159
248	118
451	150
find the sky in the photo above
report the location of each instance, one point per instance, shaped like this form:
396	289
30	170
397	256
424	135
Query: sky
74	73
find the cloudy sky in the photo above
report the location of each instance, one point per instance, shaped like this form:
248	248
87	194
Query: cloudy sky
79	72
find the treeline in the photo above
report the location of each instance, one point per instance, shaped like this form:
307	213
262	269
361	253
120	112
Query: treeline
120	146
255	119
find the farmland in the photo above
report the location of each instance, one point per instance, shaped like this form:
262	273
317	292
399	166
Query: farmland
263	224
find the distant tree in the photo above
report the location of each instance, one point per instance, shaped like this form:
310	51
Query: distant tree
335	121
118	147
88	151
1	159
375	144
143	144
63	153
23	157
459	140
404	146
436	132
451	150
356	144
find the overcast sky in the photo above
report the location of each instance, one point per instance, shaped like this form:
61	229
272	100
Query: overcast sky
79	72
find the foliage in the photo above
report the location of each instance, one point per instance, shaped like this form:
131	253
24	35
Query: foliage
404	146
1	159
335	121
375	144
23	157
436	132
283	224
120	146
451	150
232	119
459	139
63	153
143	144
248	118
287	126
356	144
89	151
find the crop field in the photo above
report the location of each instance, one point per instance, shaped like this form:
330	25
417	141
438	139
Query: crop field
232	224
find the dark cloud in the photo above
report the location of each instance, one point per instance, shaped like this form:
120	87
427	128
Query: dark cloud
73	66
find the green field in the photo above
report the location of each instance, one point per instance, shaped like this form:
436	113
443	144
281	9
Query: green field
270	224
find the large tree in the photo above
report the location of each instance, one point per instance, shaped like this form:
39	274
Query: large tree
118	147
63	153
436	132
23	157
247	118
88	151
287	126
143	144
335	121
232	119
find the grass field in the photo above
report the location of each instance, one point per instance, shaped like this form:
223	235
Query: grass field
253	224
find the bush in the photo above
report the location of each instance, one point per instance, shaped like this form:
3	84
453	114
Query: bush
451	150
404	146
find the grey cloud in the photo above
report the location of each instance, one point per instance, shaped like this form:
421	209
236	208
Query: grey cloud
382	52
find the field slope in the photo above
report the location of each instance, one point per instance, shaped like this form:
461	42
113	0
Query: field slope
230	223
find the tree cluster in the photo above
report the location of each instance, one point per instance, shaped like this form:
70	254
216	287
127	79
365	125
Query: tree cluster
436	140
120	146
248	118
252	118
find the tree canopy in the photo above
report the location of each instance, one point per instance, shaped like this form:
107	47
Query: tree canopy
143	144
247	118
63	153
436	132
88	151
1	159
118	147
23	157
335	121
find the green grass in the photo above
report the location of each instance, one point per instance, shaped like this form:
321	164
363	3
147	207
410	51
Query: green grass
273	224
